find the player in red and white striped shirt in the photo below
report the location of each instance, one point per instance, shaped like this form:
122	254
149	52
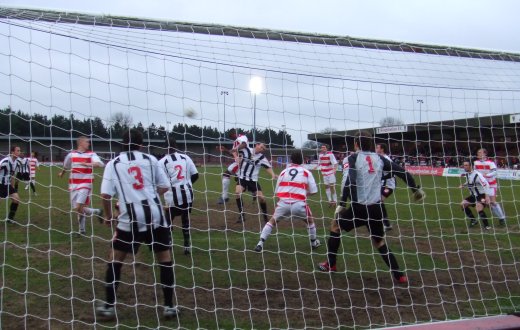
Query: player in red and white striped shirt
488	169
33	166
292	188
327	164
81	164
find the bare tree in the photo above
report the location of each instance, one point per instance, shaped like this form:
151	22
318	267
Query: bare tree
309	144
122	119
390	121
328	130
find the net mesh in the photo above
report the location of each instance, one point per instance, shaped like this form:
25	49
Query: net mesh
64	75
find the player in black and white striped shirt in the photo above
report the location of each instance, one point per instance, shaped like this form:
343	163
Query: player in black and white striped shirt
182	173
363	187
250	161
138	181
7	178
23	170
479	197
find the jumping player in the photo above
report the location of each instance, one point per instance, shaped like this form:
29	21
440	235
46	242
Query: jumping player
231	170
250	161
292	188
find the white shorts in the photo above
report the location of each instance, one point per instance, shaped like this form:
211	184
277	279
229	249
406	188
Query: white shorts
293	210
80	196
329	179
492	191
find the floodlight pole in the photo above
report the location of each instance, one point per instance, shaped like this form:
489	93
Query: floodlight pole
420	101
224	93
254	119
255	86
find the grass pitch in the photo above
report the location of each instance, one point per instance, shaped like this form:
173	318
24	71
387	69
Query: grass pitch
50	278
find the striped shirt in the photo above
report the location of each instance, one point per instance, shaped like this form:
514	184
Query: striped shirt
476	183
179	168
134	177
293	184
33	165
327	163
22	165
81	170
488	169
7	170
250	164
388	180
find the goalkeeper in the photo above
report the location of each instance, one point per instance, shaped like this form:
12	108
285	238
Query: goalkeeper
363	187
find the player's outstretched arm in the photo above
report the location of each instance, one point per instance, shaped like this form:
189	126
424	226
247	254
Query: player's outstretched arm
418	194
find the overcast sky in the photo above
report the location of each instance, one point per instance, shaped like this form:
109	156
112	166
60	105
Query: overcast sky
308	88
486	24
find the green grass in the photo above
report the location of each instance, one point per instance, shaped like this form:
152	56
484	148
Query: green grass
50	278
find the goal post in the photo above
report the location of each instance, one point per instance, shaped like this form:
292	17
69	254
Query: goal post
65	75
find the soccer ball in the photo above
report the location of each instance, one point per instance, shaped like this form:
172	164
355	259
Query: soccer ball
190	112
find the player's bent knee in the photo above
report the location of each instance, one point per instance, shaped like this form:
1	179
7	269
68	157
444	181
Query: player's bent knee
377	241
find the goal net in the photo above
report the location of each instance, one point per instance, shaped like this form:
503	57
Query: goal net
65	75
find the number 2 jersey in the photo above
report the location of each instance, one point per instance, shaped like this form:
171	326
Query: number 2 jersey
134	177
293	184
179	168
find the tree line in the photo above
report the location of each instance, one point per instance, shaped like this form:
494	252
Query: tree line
39	125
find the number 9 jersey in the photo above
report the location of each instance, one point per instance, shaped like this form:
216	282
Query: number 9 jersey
293	184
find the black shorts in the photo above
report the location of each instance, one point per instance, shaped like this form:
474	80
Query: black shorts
159	239
7	190
386	192
472	199
23	176
180	210
252	186
358	215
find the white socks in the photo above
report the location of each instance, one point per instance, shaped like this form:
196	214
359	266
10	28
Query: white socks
225	186
497	211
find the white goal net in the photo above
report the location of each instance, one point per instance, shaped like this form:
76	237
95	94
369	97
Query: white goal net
65	75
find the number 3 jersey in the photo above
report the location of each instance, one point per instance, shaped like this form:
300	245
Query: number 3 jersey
293	184
179	168
134	177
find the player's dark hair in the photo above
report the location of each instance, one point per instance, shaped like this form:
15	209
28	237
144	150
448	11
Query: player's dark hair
13	148
364	140
132	139
297	158
171	144
383	146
